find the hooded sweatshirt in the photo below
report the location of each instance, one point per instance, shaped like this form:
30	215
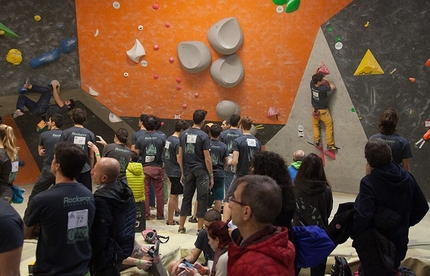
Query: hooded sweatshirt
113	227
392	187
267	252
314	202
135	179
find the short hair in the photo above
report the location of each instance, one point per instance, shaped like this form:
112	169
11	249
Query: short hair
377	153
317	77
143	117
58	119
298	155
234	120
134	156
122	135
71	158
150	123
71	105
215	130
261	193
199	116
388	121
219	229
212	215
181	125
157	123
207	128
78	115
246	122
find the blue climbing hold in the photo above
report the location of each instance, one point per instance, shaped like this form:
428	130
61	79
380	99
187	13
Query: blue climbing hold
45	58
68	44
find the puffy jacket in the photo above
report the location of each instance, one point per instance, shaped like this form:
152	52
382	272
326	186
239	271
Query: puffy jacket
135	179
267	252
113	227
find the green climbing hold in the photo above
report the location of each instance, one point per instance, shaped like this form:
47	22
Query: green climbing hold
279	2
337	39
292	6
329	29
352	109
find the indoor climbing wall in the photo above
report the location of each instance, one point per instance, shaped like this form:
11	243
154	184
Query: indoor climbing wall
129	55
38	40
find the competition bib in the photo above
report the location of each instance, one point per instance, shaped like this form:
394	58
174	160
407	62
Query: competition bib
251	142
15	166
77	219
79	140
149	158
191	139
167	145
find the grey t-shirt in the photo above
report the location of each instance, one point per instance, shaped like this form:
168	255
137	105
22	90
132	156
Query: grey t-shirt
228	136
218	153
121	153
80	137
48	140
246	145
193	142
151	145
170	162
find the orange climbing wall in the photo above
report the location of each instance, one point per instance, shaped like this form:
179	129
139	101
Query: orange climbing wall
275	52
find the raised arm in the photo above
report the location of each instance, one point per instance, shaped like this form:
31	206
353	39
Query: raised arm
56	93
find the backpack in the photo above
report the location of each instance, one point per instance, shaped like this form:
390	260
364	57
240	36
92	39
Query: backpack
340	267
341	226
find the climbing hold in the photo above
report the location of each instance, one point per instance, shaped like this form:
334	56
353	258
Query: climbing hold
194	56
162	123
323	69
140	27
96	33
68	44
225	36
144	63
171	60
45	58
227	71
93	92
60	26
113	118
428	63
156	47
155	76
167	25
337	39
178	80
1	32
37	18
155	6
125	75
352	109
136	52
14	56
226	108
176	116
338	45
279	9
392	71
184	106
413	80
116	5
196	95
272	112
292	6
367	24
329	29
178	87
368	66
7	31
279	2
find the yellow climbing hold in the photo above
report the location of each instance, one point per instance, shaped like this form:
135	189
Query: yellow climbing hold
1	32
368	66
37	17
14	56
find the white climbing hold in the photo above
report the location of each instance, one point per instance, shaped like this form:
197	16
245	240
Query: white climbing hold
113	118
93	92
136	52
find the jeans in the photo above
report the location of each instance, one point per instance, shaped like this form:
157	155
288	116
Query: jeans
37	108
325	117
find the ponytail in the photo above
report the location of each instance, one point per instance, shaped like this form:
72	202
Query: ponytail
8	139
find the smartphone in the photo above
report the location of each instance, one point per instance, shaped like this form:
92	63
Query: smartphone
187	263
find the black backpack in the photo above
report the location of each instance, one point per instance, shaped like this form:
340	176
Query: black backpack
340	267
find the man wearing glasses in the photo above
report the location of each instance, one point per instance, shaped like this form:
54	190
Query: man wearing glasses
264	249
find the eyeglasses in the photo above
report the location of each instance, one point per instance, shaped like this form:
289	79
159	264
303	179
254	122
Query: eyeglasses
236	201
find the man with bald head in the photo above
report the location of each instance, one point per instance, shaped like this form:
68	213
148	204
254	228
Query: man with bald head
298	156
112	233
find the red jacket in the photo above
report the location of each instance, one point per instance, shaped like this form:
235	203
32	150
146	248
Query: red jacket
266	252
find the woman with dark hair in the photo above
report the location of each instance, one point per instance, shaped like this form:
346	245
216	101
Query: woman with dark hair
314	199
273	165
219	239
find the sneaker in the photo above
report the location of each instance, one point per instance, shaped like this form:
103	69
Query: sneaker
174	222
317	143
177	213
17	114
182	230
192	220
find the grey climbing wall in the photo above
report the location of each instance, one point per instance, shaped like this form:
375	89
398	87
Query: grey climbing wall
398	35
58	21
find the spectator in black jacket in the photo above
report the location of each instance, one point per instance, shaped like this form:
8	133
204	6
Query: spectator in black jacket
388	187
112	234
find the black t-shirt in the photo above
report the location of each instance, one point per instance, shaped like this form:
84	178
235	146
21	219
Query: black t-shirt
11	228
319	96
80	137
400	147
218	153
65	213
228	136
246	145
151	145
48	140
136	135
171	165
193	142
121	153
202	243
